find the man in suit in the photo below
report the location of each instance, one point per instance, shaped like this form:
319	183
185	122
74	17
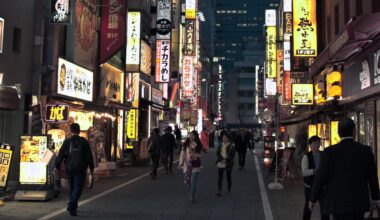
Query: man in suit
346	178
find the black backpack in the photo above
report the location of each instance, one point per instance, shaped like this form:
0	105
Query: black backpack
76	157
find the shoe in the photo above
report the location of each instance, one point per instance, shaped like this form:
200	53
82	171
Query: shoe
72	212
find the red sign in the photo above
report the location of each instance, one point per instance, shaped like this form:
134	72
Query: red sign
287	87
112	33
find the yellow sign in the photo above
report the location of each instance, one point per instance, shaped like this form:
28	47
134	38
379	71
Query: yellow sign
312	131
304	28
57	113
334	136
5	162
271	52
302	94
84	119
190	9
132	124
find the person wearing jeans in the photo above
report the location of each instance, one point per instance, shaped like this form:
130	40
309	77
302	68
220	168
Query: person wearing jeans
190	163
76	181
155	148
225	161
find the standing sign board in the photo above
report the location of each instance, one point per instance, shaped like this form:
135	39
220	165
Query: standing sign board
6	152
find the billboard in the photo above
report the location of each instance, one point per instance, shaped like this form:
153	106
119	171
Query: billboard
302	94
162	61
133	41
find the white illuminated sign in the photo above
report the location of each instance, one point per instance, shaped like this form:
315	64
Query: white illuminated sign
162	61
287	56
270	87
270	17
287	5
133	38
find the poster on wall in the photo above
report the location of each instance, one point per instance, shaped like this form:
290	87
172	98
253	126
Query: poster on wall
164	17
32	167
111	85
302	94
133	41
85	33
112	28
6	153
57	113
74	81
162	61
146	58
60	12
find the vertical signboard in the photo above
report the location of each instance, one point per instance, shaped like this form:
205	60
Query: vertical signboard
162	61
280	70
287	5
304	28
287	56
135	96
302	94
146	58
60	12
164	16
111	85
133	41
190	38
187	77
288	23
112	28
270	17
287	94
334	136
132	124
190	12
271	52
6	152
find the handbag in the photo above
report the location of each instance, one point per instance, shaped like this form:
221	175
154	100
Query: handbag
374	213
221	164
195	162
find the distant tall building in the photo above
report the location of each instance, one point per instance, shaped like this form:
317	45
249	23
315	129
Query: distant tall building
237	22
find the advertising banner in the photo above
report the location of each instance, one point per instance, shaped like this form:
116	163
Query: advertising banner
187	77
271	52
304	28
57	113
162	61
190	12
6	152
302	94
74	81
146	58
133	41
112	28
32	167
60	12
164	17
111	85
132	124
190	38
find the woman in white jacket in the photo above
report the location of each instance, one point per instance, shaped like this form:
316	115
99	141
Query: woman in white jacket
190	162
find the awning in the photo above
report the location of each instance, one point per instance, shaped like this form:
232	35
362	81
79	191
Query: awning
357	35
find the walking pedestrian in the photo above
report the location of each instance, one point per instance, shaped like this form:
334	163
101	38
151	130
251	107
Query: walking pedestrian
205	139
190	162
225	160
310	164
241	143
178	137
169	144
77	157
155	148
346	178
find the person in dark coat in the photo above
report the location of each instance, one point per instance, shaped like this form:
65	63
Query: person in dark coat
155	148
169	144
347	177
241	144
225	155
76	154
178	137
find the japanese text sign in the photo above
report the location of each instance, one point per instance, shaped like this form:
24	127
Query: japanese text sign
190	12
132	124
6	152
133	39
57	113
287	95
112	28
334	136
304	28
288	23
270	17
146	58
60	12
164	15
162	61
302	94
187	76
190	38
271	52
74	81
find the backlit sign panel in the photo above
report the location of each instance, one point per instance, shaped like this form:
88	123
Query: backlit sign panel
187	76
133	40
132	124
164	16
146	58
190	12
57	113
60	12
271	52
162	61
302	94
270	17
6	152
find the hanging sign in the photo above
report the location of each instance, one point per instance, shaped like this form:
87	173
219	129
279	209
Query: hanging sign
287	95
190	9
271	52
304	28
288	23
190	38
287	56
132	124
111	85
112	28
6	152
146	58
270	17
187	76
287	5
302	94
162	61
74	81
164	16
57	113
135	95
133	41
60	12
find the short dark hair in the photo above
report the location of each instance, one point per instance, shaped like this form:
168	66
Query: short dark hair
227	134
168	129
75	128
346	127
313	138
156	131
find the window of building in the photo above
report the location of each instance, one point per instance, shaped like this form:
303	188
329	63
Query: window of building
16	40
328	29
240	93
218	25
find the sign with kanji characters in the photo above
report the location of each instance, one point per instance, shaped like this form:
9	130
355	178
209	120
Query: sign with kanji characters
271	52
187	76
280	70
164	16
60	12
287	94
146	58
270	17
190	38
304	28
57	113
162	61
111	85
133	41
6	152
190	12
112	28
302	94
132	124
74	81
287	56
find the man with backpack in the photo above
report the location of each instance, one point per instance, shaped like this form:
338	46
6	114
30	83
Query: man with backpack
77	157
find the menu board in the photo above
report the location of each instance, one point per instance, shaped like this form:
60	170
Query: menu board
5	162
32	167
